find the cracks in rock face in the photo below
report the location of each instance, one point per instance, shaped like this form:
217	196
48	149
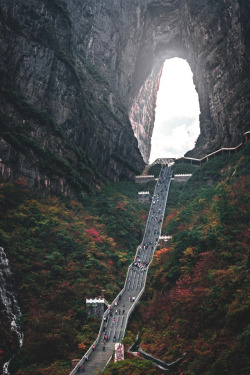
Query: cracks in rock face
194	30
127	43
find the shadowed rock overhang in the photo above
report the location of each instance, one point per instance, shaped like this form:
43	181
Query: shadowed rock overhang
93	68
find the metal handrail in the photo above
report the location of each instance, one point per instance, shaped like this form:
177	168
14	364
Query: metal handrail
141	292
89	351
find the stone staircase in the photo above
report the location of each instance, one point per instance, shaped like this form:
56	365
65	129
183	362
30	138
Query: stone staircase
115	318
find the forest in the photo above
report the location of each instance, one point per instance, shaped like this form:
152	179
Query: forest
61	252
196	302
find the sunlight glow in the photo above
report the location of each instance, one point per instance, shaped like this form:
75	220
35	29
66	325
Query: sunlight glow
176	125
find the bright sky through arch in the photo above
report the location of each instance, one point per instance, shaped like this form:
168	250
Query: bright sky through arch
176	125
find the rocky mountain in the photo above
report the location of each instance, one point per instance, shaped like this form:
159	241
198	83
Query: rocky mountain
79	81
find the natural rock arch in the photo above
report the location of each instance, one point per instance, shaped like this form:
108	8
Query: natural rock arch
211	35
93	65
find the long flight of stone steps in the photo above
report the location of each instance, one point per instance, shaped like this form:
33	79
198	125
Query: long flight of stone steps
114	322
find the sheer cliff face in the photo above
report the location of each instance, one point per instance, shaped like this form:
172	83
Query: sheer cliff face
60	116
93	67
134	39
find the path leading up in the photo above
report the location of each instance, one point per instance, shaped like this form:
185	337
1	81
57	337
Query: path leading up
115	319
145	170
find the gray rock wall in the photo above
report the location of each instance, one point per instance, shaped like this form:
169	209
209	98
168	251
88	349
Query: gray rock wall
213	36
93	66
56	103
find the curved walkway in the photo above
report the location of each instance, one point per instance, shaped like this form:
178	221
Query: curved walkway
221	151
135	349
115	319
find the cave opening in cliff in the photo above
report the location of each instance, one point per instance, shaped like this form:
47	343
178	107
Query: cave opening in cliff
176	126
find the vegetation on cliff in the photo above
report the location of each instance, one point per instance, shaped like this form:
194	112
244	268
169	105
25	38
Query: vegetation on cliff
73	164
198	286
62	251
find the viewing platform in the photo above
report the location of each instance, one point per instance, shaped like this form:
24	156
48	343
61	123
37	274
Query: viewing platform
143	196
181	177
115	318
143	179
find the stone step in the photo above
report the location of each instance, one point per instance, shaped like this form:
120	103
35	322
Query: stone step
116	323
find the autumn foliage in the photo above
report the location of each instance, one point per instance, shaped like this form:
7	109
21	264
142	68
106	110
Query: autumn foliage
199	287
62	252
